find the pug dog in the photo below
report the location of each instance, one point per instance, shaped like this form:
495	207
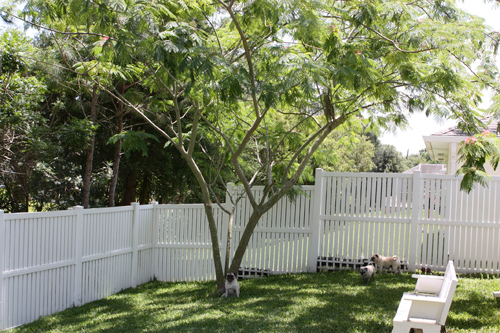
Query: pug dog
232	286
367	272
385	262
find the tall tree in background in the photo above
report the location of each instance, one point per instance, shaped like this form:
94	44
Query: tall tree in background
227	72
58	125
422	157
387	159
345	150
87	177
21	127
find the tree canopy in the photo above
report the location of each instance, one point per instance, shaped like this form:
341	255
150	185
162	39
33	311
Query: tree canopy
474	153
248	91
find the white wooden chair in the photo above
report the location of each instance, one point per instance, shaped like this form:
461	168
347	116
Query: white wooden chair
427	308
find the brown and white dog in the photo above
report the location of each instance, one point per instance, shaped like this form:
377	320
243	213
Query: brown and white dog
385	262
232	286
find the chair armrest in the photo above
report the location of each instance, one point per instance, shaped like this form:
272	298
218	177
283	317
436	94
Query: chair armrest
427	277
423	321
423	298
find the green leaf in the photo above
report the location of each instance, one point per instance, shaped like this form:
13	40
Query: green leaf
133	141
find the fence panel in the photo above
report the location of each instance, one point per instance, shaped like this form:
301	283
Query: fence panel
146	246
107	251
184	243
365	213
472	246
38	270
44	272
459	226
279	243
362	214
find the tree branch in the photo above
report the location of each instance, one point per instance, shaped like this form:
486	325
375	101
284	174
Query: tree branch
60	32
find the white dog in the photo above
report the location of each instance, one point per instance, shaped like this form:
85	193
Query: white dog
367	272
232	286
385	262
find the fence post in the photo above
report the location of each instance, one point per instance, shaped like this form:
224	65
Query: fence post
229	190
154	240
314	224
135	243
2	245
416	204
77	299
224	230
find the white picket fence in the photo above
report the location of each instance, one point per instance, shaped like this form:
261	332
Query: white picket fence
55	260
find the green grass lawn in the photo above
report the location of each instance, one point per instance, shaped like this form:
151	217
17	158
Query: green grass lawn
323	302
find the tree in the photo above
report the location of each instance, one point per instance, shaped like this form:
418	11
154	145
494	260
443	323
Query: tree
87	177
475	152
21	127
387	159
223	72
345	152
422	157
74	111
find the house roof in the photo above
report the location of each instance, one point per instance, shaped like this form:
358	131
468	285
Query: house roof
438	144
491	125
442	146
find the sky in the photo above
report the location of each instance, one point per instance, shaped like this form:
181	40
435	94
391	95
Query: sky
411	141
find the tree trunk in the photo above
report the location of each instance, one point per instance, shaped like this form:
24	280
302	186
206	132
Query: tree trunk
228	244
143	195
118	150
19	189
219	273
130	189
87	176
245	239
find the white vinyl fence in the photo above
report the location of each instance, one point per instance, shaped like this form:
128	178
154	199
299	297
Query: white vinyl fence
55	260
183	247
279	243
424	219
